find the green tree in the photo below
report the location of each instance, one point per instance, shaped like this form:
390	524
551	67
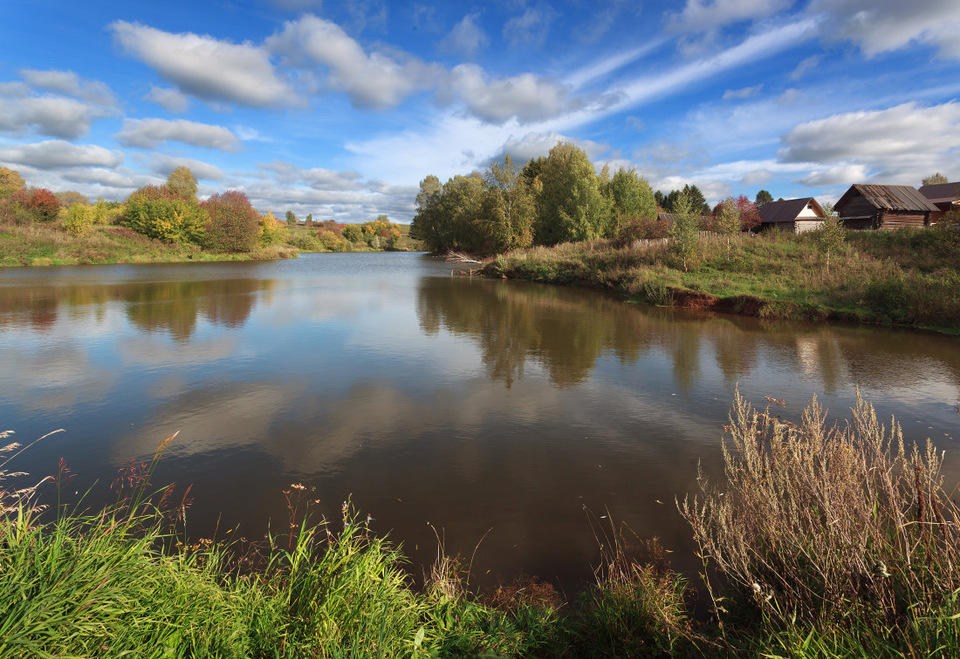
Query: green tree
10	182
182	183
630	197
426	224
71	197
77	219
684	234
936	179
158	213
728	217
291	218
830	236
572	206
353	233
508	209
763	197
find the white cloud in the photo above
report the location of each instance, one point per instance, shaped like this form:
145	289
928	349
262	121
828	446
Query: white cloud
206	67
149	133
745	92
903	130
524	97
169	98
315	177
805	66
879	26
70	84
529	28
376	80
163	165
838	175
534	145
709	15
58	153
466	38
55	116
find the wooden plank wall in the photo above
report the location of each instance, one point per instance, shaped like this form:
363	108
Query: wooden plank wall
890	221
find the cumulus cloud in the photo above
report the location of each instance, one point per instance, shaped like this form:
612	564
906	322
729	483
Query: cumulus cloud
374	80
745	92
534	145
879	26
529	28
838	175
206	67
163	165
58	153
524	97
55	116
169	98
905	129
149	133
70	84
315	177
709	15
466	38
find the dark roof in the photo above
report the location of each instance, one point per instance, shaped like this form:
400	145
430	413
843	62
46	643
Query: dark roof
785	210
890	197
941	191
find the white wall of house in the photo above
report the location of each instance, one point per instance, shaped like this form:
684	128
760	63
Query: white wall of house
801	226
807	212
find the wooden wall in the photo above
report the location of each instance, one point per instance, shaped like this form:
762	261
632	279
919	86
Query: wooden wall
890	220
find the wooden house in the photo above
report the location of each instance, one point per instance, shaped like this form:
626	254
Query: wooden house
794	215
945	196
868	206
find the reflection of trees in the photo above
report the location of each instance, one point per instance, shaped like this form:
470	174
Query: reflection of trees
564	330
567	330
173	306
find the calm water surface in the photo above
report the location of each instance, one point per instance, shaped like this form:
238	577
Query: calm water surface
469	404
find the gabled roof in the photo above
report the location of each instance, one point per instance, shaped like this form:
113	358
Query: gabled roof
786	210
941	192
889	197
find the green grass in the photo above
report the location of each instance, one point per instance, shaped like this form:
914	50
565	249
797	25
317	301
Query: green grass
38	244
906	277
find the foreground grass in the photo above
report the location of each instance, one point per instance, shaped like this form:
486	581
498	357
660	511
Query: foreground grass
821	541
38	244
906	277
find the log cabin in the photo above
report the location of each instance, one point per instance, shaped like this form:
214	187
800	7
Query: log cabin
869	206
945	196
793	215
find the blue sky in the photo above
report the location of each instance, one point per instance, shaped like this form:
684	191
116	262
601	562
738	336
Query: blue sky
339	109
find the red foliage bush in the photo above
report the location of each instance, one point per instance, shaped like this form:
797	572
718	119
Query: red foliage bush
234	224
640	228
42	204
749	215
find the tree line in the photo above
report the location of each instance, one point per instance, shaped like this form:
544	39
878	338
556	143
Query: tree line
554	199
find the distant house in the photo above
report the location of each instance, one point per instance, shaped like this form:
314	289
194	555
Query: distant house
868	206
945	196
794	215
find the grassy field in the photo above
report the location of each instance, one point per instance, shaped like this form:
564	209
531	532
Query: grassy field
37	244
905	277
822	540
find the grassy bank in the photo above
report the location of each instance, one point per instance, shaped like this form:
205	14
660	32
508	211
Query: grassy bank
38	244
905	277
821	541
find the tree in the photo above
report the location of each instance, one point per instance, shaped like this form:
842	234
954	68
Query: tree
936	179
698	203
425	225
309	221
508	209
353	233
271	230
684	234
830	237
182	183
158	213
630	197
78	219
763	197
749	215
572	206
10	182
40	203
291	218
70	197
234	224
728	217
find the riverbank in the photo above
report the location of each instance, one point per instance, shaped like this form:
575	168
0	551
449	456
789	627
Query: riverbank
905	278
878	576
37	244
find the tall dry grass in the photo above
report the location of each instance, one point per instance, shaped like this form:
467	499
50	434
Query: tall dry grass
825	523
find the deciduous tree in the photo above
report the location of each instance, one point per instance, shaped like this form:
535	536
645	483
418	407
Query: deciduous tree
936	179
10	182
182	183
572	206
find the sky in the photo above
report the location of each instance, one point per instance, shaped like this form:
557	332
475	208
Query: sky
339	109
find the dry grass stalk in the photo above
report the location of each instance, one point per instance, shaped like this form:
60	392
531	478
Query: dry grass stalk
820	521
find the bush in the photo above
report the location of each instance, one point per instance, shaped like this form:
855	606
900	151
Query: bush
77	219
331	241
271	230
42	204
353	233
234	224
305	242
642	229
157	213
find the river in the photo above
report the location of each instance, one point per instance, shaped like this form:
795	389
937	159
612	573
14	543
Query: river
493	410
